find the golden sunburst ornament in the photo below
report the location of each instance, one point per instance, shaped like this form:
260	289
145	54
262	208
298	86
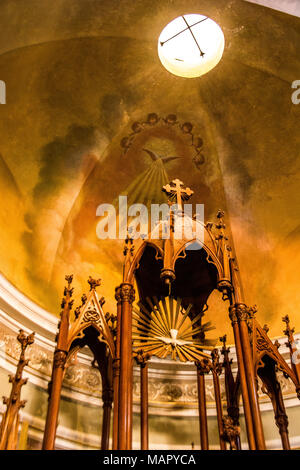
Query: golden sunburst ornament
162	327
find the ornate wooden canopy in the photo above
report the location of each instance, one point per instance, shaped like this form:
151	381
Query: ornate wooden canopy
173	286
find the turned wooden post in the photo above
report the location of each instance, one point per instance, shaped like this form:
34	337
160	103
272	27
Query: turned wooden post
54	390
242	314
203	367
230	432
144	407
244	388
216	369
107	397
10	421
231	388
294	354
282	423
59	361
142	359
116	370
130	396
125	387
281	418
273	389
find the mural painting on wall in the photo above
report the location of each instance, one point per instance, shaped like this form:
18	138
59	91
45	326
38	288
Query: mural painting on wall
58	226
170	120
158	150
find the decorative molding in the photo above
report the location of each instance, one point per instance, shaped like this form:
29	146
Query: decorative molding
31	316
171	385
127	293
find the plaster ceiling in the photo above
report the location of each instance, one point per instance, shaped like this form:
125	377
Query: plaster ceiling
79	74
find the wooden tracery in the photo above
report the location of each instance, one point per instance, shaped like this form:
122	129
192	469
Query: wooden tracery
251	341
268	362
91	328
173	286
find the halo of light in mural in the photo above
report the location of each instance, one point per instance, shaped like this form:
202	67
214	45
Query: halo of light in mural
191	45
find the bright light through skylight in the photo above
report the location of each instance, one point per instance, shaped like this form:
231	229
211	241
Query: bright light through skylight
191	45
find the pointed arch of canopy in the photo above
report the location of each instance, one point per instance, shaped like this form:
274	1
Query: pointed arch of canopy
91	328
91	315
262	346
140	247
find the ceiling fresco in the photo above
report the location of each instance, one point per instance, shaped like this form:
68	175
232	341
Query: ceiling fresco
87	95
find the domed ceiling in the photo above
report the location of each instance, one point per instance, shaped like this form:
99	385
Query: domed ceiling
86	94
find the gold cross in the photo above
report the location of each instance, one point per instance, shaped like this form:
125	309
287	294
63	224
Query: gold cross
175	190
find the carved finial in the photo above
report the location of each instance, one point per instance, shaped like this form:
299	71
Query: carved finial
68	290
252	311
141	357
204	366
10	420
128	246
128	250
215	355
288	330
209	226
223	340
69	279
286	320
231	432
176	192
129	238
25	340
77	312
111	321
216	365
220	214
277	344
266	328
94	283
78	309
221	226
225	351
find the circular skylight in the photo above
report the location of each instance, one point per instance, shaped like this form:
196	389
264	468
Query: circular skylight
191	45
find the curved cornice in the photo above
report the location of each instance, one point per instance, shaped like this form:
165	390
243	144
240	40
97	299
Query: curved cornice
28	314
172	385
17	311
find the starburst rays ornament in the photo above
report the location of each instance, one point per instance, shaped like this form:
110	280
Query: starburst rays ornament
163	327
